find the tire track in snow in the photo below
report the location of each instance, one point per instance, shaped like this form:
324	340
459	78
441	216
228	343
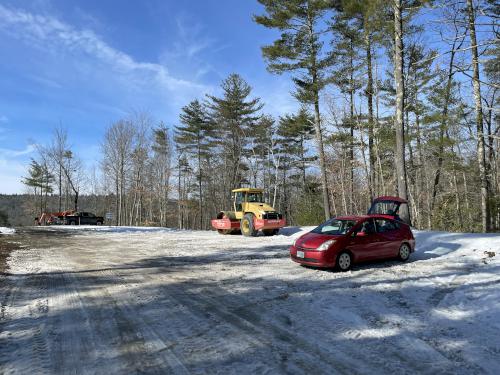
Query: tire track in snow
24	345
434	334
138	341
212	335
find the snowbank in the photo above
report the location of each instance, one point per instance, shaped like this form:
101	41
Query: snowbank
4	230
239	305
111	229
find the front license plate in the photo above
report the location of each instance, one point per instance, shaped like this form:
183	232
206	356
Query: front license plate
300	254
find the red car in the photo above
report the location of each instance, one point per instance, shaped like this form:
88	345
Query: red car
342	241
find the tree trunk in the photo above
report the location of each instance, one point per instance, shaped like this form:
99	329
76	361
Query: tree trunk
457	199
442	128
351	148
117	201
363	155
322	161
76	200
60	187
342	178
200	199
479	119
398	118
369	95
317	125
466	198
179	198
380	176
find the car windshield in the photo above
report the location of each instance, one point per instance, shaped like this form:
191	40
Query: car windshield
335	226
255	197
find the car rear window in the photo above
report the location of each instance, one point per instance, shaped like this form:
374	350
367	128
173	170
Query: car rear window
334	226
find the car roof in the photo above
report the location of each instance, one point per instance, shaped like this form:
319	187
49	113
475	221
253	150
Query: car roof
362	217
351	217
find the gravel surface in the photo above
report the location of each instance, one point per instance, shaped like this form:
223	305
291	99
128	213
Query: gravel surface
148	301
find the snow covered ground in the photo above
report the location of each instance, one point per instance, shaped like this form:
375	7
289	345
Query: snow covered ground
151	300
4	230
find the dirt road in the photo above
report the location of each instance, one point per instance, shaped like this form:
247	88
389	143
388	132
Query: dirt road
157	302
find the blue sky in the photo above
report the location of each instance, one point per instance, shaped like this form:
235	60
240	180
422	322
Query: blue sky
85	64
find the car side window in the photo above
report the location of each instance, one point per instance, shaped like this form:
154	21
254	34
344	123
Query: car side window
384	225
368	226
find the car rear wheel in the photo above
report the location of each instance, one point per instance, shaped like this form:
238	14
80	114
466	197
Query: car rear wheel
344	261
72	223
404	252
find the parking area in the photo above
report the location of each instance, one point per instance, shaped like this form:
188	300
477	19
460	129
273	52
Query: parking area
130	300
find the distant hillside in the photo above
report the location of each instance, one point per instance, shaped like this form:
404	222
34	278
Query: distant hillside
20	209
12	207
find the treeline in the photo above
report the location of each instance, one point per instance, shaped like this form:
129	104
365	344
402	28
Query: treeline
21	209
381	112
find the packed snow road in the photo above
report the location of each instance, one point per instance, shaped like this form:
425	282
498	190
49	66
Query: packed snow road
108	301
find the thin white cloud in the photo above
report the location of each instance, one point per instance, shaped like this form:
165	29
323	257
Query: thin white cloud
3	120
46	82
8	153
13	166
45	31
191	37
11	172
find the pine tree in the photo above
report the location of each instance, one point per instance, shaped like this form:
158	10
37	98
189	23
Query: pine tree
294	131
347	45
194	138
258	150
371	16
41	180
418	78
399	110
162	152
234	115
481	157
300	50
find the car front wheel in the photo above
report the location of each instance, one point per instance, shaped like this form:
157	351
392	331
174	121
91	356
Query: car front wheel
404	252
344	261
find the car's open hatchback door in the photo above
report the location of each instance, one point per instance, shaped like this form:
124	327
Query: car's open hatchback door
387	205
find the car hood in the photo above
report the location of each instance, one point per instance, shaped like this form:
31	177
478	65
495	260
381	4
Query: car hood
313	240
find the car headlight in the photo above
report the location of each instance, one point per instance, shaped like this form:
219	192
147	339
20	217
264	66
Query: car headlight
325	245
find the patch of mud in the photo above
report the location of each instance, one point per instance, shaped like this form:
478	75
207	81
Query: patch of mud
7	245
